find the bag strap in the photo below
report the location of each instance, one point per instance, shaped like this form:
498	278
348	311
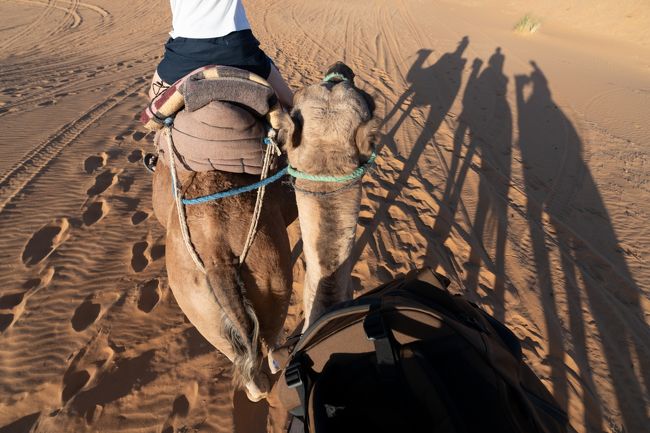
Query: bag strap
297	377
382	337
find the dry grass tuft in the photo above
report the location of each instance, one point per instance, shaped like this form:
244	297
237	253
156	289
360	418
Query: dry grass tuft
528	24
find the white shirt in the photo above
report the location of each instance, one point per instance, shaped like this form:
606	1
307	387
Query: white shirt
200	19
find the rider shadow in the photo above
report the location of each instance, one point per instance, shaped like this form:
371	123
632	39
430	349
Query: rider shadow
562	194
434	87
486	124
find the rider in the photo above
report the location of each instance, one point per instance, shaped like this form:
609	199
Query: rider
214	32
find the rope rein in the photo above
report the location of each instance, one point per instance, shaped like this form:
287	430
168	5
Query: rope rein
236	191
271	150
180	208
356	174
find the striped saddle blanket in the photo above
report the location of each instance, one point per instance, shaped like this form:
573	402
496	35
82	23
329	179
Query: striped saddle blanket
220	118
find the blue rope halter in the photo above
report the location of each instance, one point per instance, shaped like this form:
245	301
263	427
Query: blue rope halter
236	191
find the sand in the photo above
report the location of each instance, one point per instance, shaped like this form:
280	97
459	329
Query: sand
517	164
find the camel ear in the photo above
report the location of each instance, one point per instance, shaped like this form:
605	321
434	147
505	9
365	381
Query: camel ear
290	131
367	138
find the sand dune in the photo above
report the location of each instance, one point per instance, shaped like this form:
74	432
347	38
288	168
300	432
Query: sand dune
516	164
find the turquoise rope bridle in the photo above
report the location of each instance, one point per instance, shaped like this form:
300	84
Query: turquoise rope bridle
291	171
356	174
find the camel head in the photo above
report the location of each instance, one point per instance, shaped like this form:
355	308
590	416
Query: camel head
331	129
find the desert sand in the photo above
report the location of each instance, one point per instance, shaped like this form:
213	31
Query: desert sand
515	163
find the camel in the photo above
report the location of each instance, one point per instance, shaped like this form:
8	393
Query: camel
331	131
235	308
238	308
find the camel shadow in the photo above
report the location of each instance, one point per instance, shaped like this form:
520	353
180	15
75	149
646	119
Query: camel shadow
564	211
434	88
563	198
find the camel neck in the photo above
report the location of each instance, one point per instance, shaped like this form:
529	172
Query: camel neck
328	225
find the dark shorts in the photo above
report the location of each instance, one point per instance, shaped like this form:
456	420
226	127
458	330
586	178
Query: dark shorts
238	49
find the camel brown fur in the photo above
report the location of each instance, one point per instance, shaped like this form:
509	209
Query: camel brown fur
234	309
331	131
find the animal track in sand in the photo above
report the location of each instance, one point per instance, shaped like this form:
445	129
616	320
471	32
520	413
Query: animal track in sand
85	315
95	212
135	156
95	162
102	182
138	260
149	295
45	241
138	217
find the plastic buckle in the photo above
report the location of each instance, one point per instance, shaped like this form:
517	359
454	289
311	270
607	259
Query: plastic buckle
293	375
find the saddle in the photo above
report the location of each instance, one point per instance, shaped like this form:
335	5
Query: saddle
218	116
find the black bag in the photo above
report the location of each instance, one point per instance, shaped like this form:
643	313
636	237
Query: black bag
411	357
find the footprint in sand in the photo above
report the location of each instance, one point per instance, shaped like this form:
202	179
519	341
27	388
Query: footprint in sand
180	409
102	182
10	301
149	295
95	162
130	203
31	283
94	212
85	315
181	406
125	182
23	424
45	241
135	156
138	260
5	321
72	383
157	252
15	302
138	217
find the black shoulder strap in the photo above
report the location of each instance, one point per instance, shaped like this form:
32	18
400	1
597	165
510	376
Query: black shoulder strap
380	334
